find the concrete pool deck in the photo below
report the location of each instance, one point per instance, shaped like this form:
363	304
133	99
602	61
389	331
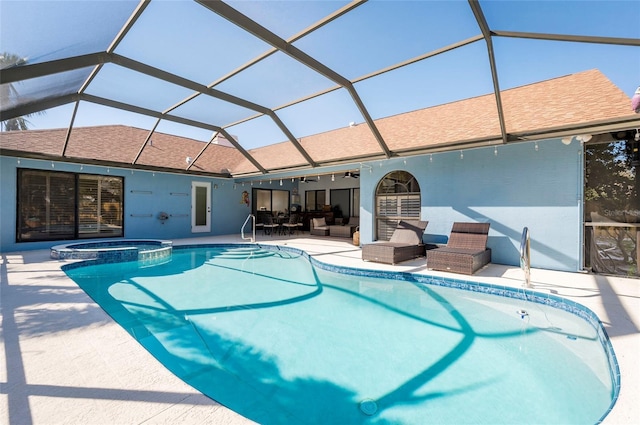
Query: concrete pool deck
64	360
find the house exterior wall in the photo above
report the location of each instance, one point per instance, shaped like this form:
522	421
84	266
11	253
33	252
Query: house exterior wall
170	193
517	187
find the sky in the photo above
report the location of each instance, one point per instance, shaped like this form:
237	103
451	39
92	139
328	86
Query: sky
186	39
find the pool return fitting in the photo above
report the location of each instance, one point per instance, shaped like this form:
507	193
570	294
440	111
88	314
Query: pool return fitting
368	406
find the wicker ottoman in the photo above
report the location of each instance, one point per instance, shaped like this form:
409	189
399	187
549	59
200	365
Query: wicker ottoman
342	231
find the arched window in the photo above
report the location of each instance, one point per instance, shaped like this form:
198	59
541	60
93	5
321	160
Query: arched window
397	198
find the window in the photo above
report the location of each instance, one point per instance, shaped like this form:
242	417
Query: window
315	200
56	205
397	198
276	201
341	202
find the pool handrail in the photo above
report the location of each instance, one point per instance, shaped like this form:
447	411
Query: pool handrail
252	238
525	257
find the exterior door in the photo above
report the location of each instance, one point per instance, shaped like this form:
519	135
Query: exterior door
200	207
612	205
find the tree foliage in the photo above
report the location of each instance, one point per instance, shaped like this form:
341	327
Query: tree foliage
9	92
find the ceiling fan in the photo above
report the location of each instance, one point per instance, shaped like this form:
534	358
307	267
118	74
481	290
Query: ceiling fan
307	180
350	175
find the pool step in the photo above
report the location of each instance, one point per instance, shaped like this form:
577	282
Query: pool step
244	253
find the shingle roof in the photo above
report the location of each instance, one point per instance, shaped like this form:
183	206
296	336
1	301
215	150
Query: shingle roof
572	101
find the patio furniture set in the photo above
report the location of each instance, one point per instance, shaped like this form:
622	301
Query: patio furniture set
466	251
282	225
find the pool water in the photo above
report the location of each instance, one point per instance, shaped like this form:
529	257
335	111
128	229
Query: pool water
280	341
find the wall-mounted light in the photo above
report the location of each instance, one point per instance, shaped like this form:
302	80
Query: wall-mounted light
280	182
369	166
333	177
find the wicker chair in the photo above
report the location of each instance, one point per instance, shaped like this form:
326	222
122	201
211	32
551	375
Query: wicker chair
291	225
269	226
405	244
466	251
319	227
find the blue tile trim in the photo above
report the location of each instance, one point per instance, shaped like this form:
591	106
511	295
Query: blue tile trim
148	252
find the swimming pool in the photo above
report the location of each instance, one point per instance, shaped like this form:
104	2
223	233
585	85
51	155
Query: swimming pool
282	338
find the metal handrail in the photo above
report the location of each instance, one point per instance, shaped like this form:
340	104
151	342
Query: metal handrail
525	257
253	227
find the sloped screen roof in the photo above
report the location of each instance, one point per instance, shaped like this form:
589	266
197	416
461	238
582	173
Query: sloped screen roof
299	84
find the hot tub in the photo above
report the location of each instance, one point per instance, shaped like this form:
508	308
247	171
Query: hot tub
113	251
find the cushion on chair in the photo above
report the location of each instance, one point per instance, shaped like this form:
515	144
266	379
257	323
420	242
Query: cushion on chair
408	232
319	226
319	222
